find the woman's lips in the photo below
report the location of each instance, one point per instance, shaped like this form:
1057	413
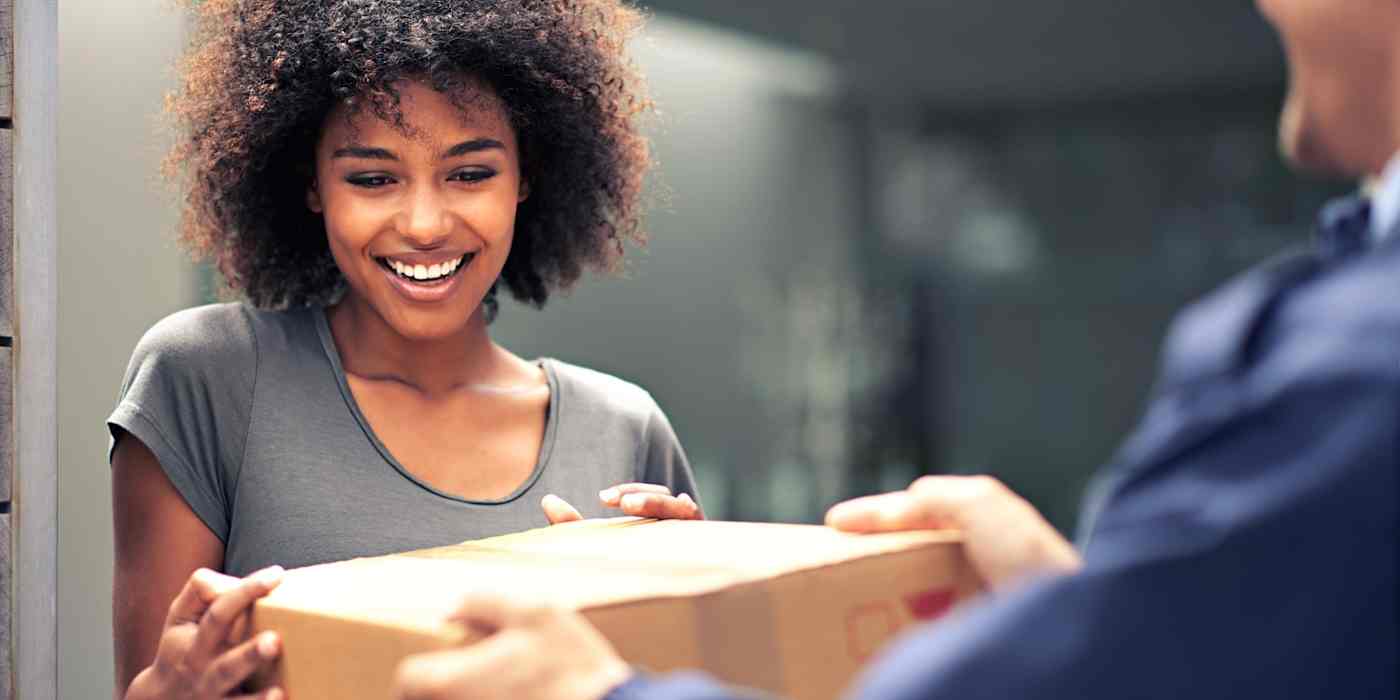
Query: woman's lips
424	290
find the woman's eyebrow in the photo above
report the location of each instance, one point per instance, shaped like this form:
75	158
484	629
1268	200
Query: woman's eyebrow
354	151
472	146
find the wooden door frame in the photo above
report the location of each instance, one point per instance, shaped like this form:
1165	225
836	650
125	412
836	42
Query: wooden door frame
35	212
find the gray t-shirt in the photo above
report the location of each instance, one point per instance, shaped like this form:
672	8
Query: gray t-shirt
250	416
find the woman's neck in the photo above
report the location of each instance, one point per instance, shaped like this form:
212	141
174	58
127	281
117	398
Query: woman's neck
372	349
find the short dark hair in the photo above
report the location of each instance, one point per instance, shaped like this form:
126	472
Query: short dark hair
260	77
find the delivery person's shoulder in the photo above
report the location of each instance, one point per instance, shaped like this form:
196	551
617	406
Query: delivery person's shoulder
1296	317
1355	296
1343	324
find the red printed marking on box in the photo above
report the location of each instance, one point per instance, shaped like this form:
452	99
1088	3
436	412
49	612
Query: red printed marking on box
929	605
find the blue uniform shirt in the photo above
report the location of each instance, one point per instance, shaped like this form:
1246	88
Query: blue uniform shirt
1242	543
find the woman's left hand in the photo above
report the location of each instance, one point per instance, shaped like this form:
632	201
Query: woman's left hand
641	500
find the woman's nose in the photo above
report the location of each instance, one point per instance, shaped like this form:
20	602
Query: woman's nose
426	219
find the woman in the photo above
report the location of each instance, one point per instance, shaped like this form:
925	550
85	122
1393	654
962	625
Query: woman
367	173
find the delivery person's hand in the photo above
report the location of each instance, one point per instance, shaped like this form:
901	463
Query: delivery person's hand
1005	537
202	653
531	653
641	500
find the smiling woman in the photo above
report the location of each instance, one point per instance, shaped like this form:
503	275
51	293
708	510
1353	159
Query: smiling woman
366	174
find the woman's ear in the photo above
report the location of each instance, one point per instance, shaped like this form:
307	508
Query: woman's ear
313	197
524	191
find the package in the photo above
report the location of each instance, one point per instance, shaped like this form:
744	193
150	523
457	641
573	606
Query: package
791	609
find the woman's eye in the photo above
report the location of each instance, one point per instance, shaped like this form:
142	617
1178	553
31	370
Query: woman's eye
472	175
369	180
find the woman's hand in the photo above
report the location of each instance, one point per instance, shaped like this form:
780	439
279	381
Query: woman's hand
641	500
203	653
532	653
1006	539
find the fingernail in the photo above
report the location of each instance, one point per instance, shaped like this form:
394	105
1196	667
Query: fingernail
633	500
834	514
270	576
608	495
686	497
268	644
275	694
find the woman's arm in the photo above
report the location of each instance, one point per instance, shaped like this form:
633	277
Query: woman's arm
160	542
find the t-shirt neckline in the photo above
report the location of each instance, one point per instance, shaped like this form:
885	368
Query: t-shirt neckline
551	426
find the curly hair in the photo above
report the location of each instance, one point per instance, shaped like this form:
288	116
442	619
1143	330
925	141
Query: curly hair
261	76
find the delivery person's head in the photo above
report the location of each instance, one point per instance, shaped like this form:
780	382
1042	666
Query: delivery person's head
1343	110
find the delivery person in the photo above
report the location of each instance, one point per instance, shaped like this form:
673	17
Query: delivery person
1244	541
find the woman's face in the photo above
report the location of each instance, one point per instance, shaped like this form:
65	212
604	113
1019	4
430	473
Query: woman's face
420	219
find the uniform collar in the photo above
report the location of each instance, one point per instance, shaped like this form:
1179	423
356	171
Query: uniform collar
1344	226
1384	193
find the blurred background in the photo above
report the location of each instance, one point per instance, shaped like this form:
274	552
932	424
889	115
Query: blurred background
889	238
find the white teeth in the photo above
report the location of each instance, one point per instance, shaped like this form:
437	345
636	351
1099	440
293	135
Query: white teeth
426	272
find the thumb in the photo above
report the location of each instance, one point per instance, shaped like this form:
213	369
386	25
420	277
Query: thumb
558	510
203	587
489	612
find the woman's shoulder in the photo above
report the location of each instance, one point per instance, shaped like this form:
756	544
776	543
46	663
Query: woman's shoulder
618	412
602	394
221	337
215	332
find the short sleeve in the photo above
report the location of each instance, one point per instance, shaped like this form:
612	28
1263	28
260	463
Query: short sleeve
663	460
187	396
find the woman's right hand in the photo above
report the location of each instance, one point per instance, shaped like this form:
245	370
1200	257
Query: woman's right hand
203	653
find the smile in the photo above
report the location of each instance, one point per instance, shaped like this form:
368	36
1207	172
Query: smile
420	272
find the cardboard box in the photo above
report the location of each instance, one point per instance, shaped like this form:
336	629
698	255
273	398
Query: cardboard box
791	609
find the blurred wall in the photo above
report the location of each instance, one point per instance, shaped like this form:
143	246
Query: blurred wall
119	272
723	316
